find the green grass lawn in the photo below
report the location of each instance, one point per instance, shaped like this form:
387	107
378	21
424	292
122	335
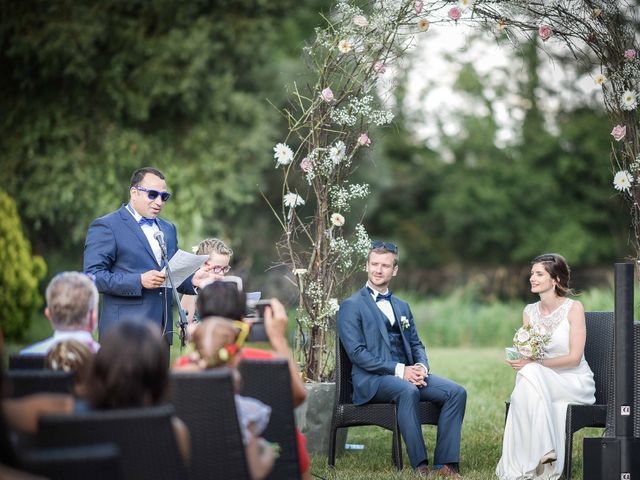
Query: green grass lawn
489	382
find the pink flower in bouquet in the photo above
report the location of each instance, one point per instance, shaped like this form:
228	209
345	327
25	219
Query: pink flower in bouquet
327	95
379	67
618	132
454	13
630	54
306	165
418	6
523	335
544	32
364	140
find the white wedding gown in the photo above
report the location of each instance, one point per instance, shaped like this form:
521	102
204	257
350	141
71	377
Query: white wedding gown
536	420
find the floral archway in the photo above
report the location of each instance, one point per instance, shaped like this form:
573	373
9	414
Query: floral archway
330	121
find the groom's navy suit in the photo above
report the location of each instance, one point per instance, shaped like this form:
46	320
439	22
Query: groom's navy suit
117	252
375	347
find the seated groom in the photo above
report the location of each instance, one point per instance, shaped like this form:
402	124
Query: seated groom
390	364
72	309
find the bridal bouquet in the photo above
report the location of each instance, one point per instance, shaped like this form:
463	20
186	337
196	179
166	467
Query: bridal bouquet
531	341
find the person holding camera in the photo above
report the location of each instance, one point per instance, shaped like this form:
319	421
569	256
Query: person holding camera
225	299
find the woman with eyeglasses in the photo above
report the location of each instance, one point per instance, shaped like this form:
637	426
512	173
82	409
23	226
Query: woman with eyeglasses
534	433
218	266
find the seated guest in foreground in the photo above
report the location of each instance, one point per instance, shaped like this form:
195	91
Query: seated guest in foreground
217	341
72	309
217	265
390	364
72	356
224	299
533	443
130	371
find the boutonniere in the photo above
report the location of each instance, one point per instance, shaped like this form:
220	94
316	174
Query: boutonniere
404	322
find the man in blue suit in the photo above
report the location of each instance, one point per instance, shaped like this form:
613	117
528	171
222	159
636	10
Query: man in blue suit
390	364
125	257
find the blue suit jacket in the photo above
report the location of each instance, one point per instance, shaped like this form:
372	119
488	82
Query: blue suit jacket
117	252
363	332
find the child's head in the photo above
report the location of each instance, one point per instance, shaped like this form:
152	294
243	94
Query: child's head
219	255
218	340
72	356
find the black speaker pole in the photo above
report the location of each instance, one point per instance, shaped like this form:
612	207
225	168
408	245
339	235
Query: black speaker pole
624	413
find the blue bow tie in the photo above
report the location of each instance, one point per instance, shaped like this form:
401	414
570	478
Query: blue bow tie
147	221
381	296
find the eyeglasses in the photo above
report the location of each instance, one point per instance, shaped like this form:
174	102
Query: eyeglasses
153	194
220	269
392	247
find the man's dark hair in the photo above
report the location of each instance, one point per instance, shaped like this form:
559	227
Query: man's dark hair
139	174
222	299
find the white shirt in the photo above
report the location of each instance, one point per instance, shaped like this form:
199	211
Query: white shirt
47	344
148	231
386	308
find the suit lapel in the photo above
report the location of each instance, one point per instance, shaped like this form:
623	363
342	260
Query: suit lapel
131	223
377	315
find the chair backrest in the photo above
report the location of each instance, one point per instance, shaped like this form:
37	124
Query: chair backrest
27	382
145	437
598	351
97	462
204	401
344	387
269	382
35	361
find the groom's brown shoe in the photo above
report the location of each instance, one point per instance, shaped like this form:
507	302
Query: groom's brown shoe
448	472
422	471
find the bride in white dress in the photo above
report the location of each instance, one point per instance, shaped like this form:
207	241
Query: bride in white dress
533	443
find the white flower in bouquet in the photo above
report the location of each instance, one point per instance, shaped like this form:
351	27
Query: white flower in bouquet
531	341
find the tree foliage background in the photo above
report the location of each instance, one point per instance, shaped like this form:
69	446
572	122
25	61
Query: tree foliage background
92	90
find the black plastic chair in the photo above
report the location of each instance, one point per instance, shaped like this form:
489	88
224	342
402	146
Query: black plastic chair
598	351
97	462
27	382
269	382
204	401
346	414
35	361
145	437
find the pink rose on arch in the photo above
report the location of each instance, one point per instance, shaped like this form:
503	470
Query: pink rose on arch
327	95
618	132
379	67
630	54
418	6
454	13
364	140
306	165
544	32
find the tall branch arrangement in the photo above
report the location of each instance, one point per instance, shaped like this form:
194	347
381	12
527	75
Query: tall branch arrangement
331	118
330	121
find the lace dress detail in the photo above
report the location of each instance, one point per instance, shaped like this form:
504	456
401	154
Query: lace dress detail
552	320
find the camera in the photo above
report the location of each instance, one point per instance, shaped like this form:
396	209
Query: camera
258	333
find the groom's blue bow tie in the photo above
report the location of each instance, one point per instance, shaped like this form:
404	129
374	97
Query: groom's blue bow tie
381	296
147	221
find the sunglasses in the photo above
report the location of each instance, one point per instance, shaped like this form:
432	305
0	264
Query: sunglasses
153	194
392	247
